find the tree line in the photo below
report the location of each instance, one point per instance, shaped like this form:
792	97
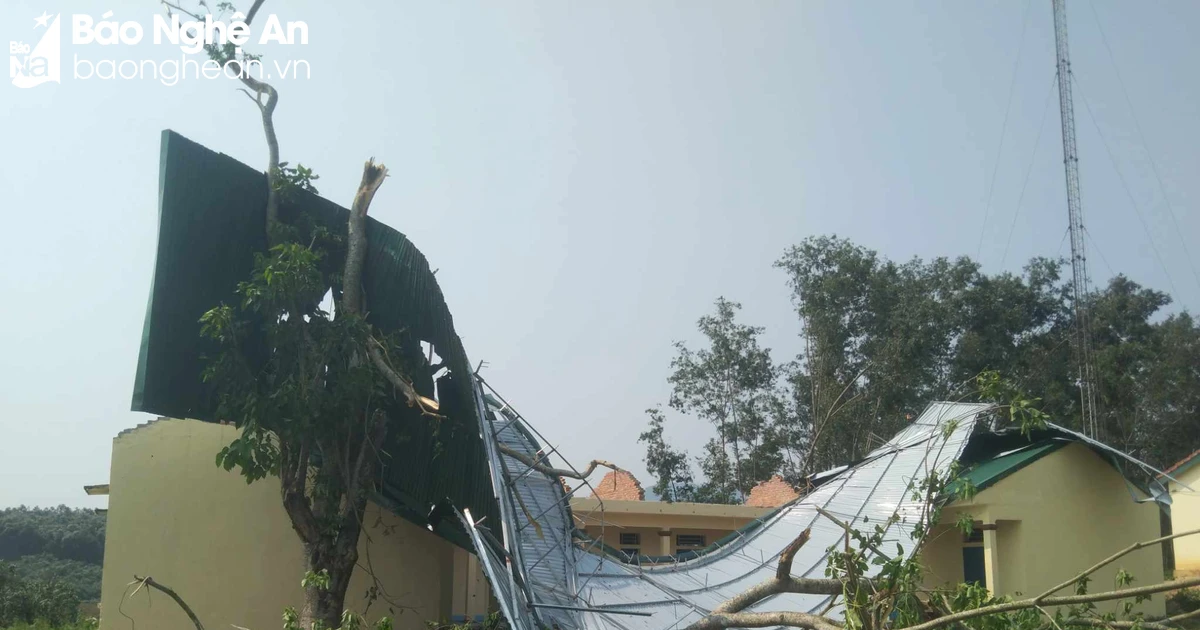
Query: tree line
881	339
48	602
59	544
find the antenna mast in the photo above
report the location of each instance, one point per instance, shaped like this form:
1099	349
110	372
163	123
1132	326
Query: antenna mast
1083	327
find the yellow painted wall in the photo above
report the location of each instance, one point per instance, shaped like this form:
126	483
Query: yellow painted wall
1056	517
229	550
1185	516
649	518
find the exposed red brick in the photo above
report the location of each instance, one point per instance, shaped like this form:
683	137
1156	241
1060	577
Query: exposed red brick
773	492
619	485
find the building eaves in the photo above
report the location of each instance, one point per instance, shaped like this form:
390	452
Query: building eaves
1184	464
989	472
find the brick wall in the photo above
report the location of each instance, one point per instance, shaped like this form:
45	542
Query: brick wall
619	485
773	492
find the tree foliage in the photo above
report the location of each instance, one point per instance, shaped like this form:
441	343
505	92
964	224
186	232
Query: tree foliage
730	383
26	601
59	544
295	378
882	339
62	532
82	577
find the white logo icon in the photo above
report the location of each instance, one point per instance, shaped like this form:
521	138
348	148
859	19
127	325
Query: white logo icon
30	67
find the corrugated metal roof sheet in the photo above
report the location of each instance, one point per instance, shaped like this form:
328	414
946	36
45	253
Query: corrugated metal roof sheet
612	595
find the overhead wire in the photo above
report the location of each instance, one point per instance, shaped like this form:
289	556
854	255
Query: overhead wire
1121	177
1146	147
1012	85
1029	171
1104	259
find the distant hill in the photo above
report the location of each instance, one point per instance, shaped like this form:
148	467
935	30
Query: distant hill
60	543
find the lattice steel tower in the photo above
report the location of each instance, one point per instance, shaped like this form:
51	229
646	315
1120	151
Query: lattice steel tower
1083	328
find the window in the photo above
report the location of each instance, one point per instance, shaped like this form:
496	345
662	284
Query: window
632	538
690	540
973	567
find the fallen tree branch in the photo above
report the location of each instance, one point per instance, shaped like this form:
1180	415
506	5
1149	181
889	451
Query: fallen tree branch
846	527
783	582
721	621
1168	623
1098	565
149	581
556	472
1062	600
427	406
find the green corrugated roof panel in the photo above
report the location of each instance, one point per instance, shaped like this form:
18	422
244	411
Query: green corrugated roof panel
989	472
211	222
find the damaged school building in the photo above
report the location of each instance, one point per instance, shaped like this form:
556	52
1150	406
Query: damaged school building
460	527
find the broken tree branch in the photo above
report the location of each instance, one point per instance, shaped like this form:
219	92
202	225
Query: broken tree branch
1169	623
356	238
1062	600
375	352
731	613
778	584
556	472
784	570
149	581
807	621
846	527
353	301
1115	556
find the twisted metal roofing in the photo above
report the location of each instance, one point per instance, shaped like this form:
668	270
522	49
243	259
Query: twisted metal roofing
547	581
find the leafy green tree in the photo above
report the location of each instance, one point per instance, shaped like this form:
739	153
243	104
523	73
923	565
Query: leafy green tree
311	385
32	601
670	467
313	390
82	577
882	339
731	383
63	532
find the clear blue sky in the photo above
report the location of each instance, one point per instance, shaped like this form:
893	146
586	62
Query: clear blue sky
588	177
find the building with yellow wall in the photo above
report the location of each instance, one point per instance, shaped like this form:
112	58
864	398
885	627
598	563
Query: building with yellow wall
1184	486
229	550
1043	512
657	528
1042	515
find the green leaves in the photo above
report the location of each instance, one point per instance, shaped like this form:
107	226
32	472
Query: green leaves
965	523
670	467
731	383
289	180
1123	578
50	601
255	453
316	579
1023	411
